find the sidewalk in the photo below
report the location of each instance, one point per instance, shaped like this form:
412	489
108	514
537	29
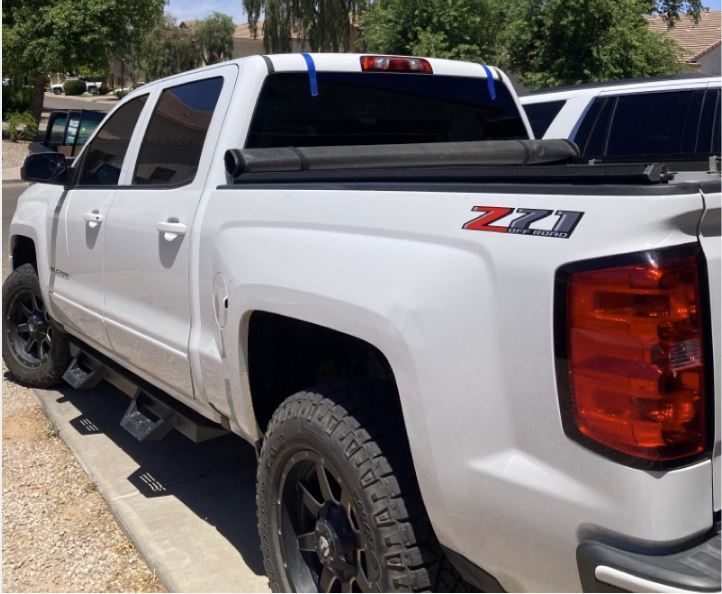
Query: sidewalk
11	174
188	508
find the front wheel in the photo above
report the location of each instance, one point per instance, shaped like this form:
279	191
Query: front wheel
338	505
35	349
57	91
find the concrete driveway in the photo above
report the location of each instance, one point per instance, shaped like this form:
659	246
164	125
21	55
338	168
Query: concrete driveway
189	508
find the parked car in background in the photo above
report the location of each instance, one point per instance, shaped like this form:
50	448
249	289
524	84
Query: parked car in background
67	131
91	86
672	118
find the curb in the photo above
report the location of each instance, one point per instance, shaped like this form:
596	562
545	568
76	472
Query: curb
188	508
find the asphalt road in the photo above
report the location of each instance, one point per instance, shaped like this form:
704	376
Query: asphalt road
62	102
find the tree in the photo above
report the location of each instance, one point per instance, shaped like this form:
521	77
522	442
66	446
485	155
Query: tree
215	35
454	29
322	25
556	42
44	36
168	49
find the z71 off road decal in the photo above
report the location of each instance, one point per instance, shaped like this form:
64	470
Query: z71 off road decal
565	224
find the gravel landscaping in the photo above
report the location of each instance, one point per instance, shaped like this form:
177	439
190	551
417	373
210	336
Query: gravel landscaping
14	153
58	533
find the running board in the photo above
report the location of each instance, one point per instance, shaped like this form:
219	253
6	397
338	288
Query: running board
152	413
141	421
83	372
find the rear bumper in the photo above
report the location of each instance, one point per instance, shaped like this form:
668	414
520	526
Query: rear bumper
694	568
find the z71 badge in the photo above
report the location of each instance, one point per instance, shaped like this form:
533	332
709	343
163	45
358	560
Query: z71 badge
566	222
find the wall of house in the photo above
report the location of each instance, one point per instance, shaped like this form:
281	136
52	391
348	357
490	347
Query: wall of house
710	62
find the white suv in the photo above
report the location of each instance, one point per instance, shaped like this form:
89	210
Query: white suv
678	119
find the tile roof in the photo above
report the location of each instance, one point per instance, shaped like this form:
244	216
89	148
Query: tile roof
694	39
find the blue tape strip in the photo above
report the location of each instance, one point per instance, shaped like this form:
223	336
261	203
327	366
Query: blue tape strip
490	81
312	82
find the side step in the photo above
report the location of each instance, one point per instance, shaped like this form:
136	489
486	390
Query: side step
152	413
83	372
141	422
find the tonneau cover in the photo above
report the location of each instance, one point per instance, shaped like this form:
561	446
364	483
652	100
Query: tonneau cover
324	158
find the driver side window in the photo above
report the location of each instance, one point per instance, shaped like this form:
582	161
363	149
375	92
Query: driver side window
104	156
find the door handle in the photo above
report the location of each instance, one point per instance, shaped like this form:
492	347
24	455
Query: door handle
171	229
93	218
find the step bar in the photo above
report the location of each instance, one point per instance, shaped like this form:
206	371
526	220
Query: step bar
152	414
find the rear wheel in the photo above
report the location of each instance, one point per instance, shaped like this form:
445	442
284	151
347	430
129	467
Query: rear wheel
35	349
338	504
57	91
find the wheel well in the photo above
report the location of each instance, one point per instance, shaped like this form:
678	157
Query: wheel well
23	252
286	355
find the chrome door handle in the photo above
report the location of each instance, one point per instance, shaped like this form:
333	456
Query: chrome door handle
171	229
93	218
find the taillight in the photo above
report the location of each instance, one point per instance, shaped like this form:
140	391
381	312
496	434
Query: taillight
631	351
395	64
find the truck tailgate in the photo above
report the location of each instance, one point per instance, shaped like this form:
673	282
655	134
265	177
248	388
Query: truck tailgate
709	236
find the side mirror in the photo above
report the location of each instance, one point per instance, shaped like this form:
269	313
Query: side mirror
46	168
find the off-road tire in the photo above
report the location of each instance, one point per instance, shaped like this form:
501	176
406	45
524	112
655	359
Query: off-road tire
50	371
358	428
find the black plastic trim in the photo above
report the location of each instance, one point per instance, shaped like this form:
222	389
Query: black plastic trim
426	181
695	567
473	574
561	283
269	64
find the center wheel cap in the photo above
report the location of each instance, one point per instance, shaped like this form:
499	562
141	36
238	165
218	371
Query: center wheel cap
325	542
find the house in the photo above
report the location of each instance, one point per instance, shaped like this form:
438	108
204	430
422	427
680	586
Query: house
701	42
244	43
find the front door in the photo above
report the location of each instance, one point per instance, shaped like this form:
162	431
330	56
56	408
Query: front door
77	284
150	229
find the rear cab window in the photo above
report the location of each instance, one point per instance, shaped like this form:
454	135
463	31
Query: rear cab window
380	108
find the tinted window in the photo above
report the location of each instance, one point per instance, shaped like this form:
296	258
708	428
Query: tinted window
591	136
88	124
174	140
57	130
380	108
708	138
541	115
104	156
716	131
650	123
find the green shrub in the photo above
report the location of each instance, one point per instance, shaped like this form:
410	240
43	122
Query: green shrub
22	126
120	93
103	89
16	98
74	87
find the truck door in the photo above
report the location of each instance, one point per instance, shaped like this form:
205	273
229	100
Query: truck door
150	228
77	290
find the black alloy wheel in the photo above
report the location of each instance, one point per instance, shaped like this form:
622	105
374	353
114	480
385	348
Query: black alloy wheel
29	329
339	508
322	540
35	349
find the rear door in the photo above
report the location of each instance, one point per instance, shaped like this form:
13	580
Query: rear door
150	227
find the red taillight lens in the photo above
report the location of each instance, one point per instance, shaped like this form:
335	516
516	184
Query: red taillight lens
395	64
635	357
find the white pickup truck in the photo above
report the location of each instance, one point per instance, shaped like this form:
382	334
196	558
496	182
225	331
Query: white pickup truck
466	359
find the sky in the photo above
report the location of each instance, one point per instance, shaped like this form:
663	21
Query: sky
186	10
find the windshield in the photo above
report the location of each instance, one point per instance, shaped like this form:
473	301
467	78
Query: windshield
381	108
